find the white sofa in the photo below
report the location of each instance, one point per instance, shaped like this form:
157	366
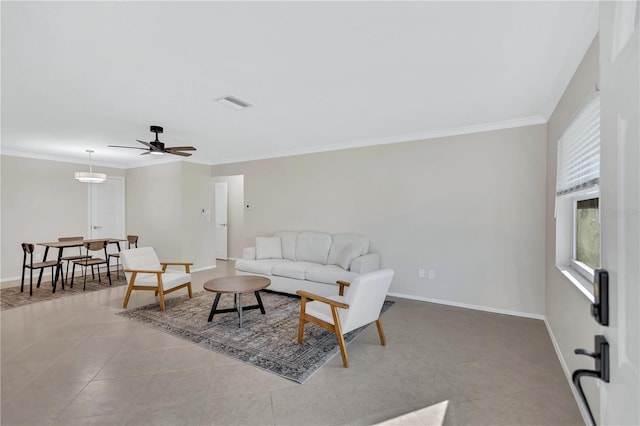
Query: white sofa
311	261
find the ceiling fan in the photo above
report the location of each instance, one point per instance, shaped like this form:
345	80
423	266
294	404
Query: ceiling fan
157	147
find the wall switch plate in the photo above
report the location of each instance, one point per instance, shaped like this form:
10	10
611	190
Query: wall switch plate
431	275
421	273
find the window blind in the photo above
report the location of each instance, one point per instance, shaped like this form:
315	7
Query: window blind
579	151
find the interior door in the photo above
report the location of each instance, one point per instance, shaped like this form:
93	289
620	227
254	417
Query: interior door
620	215
221	220
106	209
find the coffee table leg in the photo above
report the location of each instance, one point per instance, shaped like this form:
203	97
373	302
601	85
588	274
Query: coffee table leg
213	308
240	307
257	293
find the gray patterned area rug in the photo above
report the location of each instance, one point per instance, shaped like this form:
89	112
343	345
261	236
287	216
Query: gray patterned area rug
266	341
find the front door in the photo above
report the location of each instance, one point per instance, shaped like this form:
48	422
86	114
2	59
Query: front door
620	215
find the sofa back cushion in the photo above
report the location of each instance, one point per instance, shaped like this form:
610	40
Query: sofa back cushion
288	239
313	247
346	247
268	248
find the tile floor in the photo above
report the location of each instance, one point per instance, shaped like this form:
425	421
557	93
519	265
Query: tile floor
73	362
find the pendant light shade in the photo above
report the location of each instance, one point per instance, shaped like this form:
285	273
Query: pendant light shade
90	176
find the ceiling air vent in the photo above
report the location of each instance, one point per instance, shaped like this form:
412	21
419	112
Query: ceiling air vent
233	102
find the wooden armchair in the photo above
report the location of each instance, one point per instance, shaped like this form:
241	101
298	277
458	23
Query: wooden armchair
144	271
343	313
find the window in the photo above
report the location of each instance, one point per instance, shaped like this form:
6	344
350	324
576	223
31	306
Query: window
585	256
578	194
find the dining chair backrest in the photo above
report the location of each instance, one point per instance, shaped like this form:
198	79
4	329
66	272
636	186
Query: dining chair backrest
95	245
132	240
28	248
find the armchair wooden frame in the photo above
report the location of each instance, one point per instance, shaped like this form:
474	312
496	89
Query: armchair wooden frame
336	327
158	288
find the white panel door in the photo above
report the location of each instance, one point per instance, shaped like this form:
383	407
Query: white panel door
620	202
221	220
106	209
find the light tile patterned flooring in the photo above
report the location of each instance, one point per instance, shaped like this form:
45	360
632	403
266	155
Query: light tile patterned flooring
71	361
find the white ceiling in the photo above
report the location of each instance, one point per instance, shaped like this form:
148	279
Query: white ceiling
321	75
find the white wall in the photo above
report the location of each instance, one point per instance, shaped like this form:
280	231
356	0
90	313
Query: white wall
567	309
198	234
470	207
164	205
40	201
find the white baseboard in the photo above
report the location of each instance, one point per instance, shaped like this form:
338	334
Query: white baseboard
567	373
204	268
469	306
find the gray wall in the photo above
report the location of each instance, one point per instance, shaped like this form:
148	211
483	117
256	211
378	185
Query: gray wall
41	201
470	207
567	309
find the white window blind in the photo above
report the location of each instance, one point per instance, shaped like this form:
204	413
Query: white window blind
579	151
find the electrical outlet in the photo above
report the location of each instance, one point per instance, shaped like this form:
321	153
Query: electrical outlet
431	275
421	273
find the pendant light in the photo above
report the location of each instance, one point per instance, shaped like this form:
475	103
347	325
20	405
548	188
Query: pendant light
90	176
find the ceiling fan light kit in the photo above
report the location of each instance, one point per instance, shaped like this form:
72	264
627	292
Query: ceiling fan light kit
157	148
90	176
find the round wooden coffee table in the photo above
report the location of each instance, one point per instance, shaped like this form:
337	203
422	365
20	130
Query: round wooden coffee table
237	285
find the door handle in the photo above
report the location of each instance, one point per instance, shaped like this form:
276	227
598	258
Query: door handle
97	227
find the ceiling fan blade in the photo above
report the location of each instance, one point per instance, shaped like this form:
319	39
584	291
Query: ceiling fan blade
180	148
184	154
147	144
145	153
121	146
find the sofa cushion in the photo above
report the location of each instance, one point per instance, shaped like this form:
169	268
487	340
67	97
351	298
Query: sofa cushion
288	239
292	269
313	247
349	253
329	274
263	267
268	248
341	241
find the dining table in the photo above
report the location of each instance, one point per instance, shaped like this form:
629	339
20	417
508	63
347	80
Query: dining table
61	245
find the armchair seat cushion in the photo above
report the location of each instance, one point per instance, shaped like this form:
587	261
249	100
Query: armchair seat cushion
322	310
170	279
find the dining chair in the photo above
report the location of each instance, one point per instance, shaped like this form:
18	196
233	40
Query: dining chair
94	246
131	240
144	271
28	249
70	259
341	314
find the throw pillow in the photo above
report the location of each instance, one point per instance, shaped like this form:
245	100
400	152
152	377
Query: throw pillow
348	253
268	248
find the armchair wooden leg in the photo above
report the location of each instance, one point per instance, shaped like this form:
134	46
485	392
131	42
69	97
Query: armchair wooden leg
126	296
303	304
383	340
189	290
161	294
338	331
